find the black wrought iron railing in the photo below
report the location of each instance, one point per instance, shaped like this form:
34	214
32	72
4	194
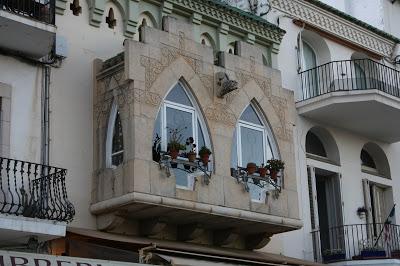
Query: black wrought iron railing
34	190
41	10
356	241
349	75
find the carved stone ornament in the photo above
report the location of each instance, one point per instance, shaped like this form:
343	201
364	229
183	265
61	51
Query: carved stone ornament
225	84
335	25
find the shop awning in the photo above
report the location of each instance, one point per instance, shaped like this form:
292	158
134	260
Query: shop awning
183	253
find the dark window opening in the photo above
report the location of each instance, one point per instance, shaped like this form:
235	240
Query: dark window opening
75	7
117	156
110	19
367	160
314	145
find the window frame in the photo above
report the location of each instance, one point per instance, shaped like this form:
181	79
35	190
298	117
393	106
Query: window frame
267	144
198	123
110	134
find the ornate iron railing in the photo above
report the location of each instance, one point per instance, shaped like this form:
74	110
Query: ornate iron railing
42	10
34	190
356	241
349	75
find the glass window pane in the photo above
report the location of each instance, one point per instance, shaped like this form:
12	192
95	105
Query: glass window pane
181	120
257	193
117	156
201	141
252	145
178	95
117	141
249	115
310	60
181	178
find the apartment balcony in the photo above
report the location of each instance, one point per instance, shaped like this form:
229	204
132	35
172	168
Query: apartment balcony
33	202
361	96
371	242
29	26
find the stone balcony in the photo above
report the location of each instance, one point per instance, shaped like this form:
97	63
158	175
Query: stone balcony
138	197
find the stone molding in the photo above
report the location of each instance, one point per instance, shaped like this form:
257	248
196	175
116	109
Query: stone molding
234	19
203	9
335	25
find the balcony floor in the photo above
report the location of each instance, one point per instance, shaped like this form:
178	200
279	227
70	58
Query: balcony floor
16	230
370	113
25	35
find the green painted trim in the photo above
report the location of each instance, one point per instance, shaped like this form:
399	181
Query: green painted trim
353	20
216	10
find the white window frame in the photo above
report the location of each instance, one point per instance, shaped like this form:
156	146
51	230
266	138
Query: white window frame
196	119
110	134
267	145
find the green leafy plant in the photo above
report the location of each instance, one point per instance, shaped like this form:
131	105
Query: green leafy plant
275	165
175	140
205	151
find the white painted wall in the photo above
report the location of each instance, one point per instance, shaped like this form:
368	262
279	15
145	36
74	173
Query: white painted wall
26	83
299	243
71	102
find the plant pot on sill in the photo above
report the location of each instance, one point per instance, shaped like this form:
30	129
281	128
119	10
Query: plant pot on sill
373	254
205	158
251	168
262	171
191	157
174	154
334	257
273	174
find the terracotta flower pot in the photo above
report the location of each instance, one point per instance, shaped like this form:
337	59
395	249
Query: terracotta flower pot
251	168
174	154
205	158
191	156
273	174
262	171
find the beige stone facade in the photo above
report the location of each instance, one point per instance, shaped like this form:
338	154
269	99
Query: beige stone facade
137	197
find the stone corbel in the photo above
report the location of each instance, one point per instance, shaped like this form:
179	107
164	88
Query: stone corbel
225	237
189	232
96	11
257	241
224	84
109	221
152	227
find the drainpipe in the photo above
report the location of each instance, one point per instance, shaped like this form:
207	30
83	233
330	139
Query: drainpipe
45	110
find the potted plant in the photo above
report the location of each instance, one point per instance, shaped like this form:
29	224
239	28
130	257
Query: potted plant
251	168
361	212
191	151
175	145
191	146
274	166
332	255
204	154
373	252
262	170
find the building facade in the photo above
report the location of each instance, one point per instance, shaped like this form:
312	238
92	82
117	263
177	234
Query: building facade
109	89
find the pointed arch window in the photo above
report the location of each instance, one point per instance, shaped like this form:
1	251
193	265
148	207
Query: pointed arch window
115	140
179	111
253	142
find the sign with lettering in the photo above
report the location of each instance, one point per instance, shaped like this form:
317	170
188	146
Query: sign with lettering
9	258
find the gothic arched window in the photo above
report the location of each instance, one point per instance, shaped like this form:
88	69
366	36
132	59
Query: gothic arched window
179	111
115	140
253	142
